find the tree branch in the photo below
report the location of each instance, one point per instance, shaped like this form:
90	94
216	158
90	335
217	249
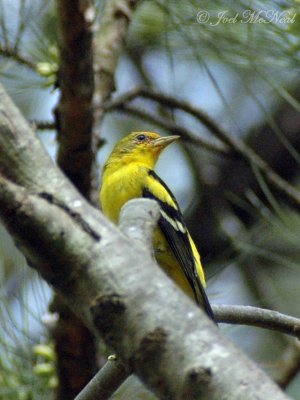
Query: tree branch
43	125
170	126
74	344
239	147
105	382
172	102
114	373
17	57
76	80
112	282
254	316
108	43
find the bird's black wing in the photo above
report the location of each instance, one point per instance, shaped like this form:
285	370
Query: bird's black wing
173	226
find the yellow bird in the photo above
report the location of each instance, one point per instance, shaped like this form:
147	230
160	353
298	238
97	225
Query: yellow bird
129	173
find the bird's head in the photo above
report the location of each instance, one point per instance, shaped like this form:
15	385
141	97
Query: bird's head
142	146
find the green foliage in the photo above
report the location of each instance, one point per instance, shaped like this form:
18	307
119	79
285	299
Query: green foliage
21	376
21	361
236	32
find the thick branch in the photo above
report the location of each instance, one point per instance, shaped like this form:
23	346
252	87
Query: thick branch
76	120
109	44
115	373
146	341
74	344
76	81
112	283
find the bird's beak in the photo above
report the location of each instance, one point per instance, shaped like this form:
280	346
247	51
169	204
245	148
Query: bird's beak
164	141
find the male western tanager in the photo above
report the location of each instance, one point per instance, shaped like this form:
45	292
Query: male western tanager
128	173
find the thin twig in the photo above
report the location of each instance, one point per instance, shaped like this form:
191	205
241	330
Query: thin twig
4	30
259	317
42	125
17	57
238	147
172	102
113	374
21	25
105	382
165	123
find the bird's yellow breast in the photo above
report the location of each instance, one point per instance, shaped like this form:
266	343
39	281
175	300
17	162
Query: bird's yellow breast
126	183
129	174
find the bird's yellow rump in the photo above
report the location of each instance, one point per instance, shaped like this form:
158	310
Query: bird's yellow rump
128	174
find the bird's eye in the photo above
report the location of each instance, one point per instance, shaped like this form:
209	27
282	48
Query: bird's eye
141	138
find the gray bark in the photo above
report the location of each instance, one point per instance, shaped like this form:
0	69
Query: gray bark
111	281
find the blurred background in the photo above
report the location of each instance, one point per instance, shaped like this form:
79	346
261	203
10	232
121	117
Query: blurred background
238	61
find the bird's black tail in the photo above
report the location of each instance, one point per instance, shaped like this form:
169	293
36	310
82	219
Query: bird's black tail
202	300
